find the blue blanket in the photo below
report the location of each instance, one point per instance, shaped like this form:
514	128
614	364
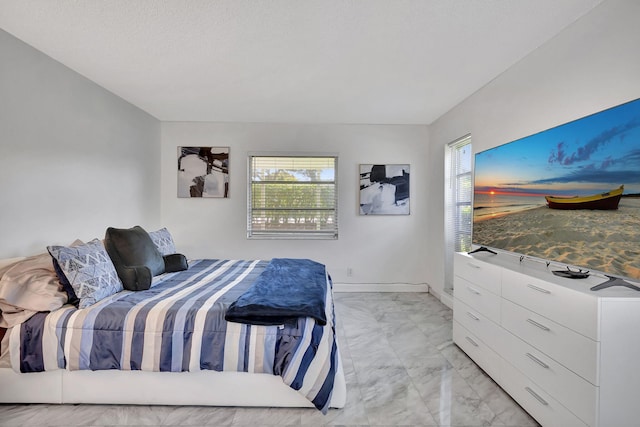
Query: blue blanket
286	290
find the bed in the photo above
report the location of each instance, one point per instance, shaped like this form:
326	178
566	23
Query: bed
172	344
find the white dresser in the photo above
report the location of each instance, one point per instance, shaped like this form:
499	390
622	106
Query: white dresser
567	355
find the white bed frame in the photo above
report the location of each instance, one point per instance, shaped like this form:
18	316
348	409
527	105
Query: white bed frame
206	388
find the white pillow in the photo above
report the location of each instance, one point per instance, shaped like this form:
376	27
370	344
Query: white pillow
28	286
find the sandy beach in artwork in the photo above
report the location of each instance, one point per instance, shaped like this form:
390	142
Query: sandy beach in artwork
601	240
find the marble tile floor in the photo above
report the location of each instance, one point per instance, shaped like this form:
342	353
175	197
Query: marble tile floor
401	367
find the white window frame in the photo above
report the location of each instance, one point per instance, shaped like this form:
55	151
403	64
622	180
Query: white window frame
325	234
457	236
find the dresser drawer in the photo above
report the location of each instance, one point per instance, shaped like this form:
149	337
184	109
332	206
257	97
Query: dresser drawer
489	332
571	390
544	408
478	298
575	310
480	273
477	350
573	350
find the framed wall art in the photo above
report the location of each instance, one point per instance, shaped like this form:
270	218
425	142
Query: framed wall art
203	172
384	189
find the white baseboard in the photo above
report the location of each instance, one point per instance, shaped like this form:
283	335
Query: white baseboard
444	297
380	287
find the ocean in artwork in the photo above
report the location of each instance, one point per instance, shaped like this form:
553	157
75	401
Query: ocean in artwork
486	206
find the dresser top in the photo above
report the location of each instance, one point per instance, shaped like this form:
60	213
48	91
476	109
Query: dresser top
541	270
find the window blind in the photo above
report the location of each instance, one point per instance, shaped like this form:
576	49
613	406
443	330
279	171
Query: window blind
462	195
292	196
458	199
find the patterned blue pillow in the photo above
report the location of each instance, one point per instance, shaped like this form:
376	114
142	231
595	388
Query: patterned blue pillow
163	241
72	298
89	270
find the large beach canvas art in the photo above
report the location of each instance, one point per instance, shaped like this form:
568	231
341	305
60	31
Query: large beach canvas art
586	160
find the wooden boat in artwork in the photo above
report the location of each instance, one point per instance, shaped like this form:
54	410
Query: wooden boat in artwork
602	201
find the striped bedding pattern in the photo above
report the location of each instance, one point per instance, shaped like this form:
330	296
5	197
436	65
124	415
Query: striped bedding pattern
178	325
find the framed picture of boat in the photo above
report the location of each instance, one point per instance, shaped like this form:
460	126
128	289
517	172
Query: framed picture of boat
384	189
569	194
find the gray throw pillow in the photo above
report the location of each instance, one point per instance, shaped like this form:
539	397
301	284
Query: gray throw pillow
134	255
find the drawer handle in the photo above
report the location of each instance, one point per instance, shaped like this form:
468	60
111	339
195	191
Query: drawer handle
473	265
473	290
535	288
538	361
475	344
473	316
537	396
539	325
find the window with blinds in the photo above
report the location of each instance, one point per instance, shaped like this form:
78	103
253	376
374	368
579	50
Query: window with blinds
461	159
458	207
293	197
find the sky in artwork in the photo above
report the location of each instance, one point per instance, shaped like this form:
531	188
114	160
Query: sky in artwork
593	154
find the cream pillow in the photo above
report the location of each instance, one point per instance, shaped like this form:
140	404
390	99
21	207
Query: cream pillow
29	286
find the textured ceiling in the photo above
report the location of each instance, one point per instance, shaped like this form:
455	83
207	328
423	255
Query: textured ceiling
329	61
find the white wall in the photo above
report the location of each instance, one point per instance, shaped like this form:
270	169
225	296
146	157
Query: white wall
592	65
379	249
74	158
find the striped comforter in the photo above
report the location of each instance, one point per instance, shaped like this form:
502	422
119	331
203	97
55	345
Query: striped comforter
178	325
